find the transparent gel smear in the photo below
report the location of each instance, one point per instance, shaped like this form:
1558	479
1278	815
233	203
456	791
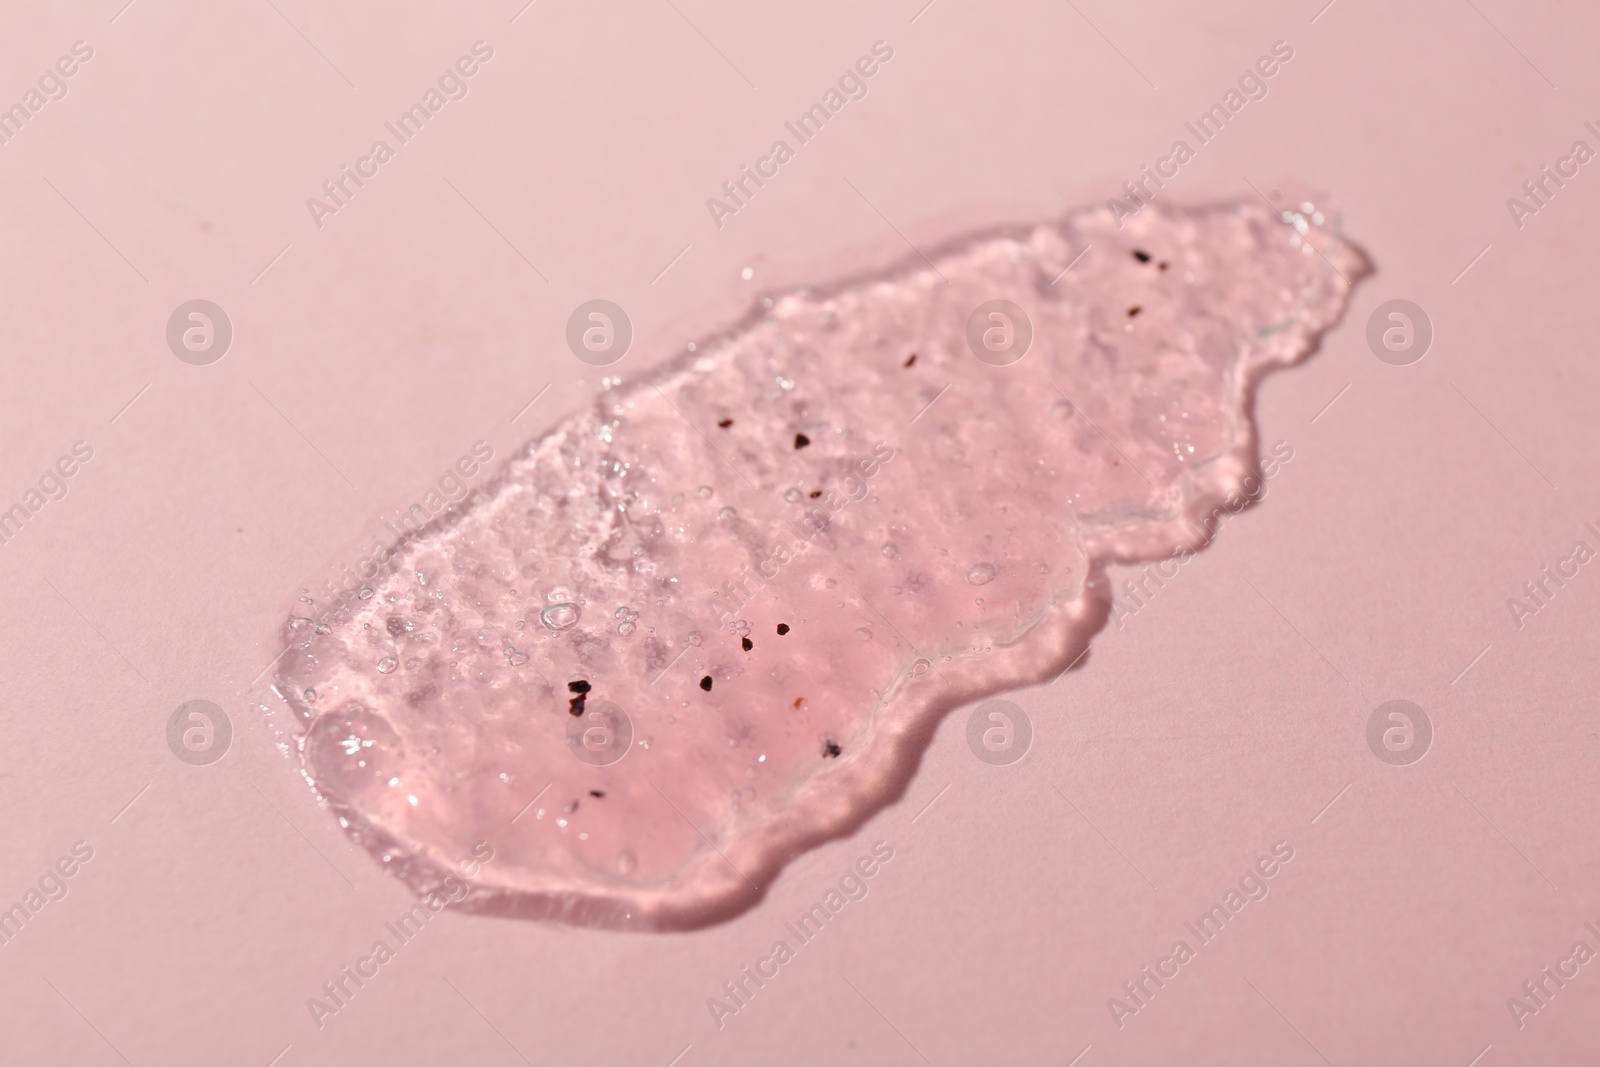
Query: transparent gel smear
928	531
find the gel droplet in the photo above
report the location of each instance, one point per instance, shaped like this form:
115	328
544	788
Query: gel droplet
559	616
708	791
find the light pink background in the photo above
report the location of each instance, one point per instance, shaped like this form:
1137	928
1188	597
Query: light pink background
1220	719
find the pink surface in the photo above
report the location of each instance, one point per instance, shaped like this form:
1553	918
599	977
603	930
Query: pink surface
1215	718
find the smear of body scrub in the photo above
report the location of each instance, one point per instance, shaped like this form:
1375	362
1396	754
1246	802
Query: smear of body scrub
710	622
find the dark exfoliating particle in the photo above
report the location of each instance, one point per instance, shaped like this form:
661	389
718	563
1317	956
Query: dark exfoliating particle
1134	310
801	440
1162	265
783	628
597	794
724	423
747	643
581	688
912	358
831	748
1141	255
705	683
815	493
